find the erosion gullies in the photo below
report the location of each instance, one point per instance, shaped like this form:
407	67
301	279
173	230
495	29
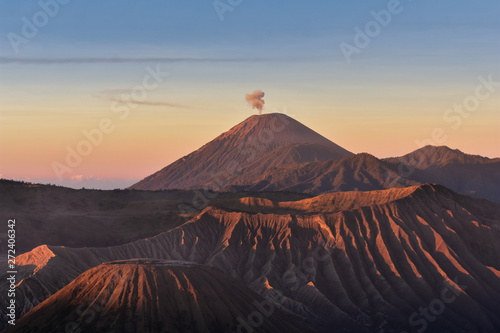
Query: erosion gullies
153	296
357	261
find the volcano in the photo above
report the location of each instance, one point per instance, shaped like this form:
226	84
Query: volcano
273	152
245	154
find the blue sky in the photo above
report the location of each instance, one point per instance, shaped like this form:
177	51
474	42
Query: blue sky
393	92
112	27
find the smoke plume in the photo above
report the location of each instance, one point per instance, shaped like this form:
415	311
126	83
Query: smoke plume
255	99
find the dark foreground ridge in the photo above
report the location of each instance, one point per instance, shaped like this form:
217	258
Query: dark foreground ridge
151	295
347	262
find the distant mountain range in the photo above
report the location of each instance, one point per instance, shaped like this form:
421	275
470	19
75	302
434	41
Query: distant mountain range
273	152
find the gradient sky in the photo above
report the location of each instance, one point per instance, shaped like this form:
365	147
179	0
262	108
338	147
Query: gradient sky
65	77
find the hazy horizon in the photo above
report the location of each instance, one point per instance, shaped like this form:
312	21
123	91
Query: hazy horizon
90	182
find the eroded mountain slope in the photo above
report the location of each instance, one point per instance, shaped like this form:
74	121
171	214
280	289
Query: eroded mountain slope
153	296
361	269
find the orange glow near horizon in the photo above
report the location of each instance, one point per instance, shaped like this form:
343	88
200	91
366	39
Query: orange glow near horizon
151	138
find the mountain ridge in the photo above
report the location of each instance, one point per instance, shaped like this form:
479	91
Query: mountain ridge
439	156
273	152
383	260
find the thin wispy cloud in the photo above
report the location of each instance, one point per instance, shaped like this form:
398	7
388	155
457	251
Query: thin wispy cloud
116	95
79	178
117	60
151	103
